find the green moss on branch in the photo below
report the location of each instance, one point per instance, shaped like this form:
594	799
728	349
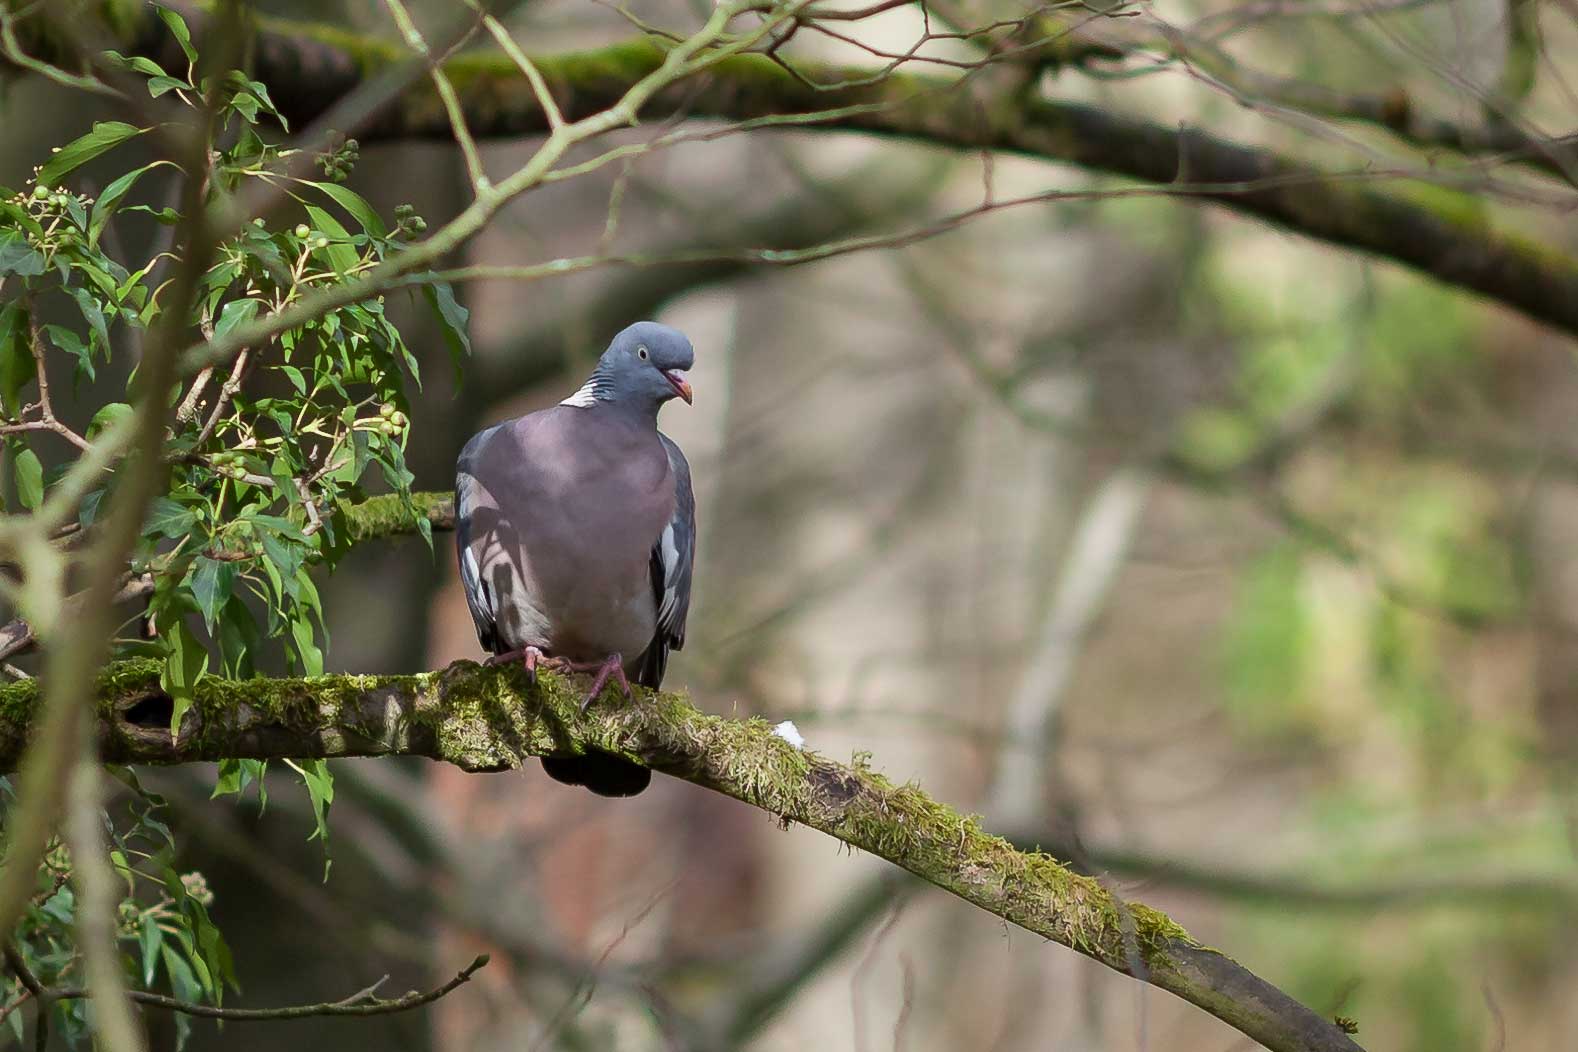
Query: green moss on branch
388	515
487	719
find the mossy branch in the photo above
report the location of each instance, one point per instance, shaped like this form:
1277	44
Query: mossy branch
491	719
387	515
1437	231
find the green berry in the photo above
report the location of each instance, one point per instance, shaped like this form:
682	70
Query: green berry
303	230
386	410
40	192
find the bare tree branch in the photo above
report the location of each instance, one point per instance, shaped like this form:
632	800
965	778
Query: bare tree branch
1430	228
362	1003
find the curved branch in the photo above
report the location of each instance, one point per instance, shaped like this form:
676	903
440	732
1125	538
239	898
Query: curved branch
1437	231
482	719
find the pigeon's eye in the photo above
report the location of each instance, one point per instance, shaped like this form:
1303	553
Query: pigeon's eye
642	351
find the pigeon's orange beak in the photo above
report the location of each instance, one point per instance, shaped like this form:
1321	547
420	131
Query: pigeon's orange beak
681	384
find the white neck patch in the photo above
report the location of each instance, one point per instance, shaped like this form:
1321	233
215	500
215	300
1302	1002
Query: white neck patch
586	397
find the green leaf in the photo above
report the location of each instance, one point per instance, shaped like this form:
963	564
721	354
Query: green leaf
89	509
29	479
306	647
452	318
238	638
235	313
284	557
17	367
212	582
151	938
246	104
136	64
18	257
72	344
106	135
111	198
93	313
260	90
183	35
185	664
185	987
320	790
108	416
339	252
166	518
160	85
236	775
355	204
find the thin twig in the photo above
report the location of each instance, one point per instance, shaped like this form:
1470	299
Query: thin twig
362	1003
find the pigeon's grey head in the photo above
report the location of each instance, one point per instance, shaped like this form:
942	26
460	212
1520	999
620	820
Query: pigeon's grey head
643	368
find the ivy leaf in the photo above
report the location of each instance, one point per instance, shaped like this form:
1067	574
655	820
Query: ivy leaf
18	257
29	479
106	135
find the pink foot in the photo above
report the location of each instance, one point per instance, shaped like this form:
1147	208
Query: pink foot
529	657
612	667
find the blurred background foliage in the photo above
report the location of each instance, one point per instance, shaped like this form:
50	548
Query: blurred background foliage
1320	706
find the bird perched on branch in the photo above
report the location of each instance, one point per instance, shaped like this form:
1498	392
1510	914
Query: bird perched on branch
576	530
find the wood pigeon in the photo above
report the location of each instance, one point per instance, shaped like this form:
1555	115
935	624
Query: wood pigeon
576	530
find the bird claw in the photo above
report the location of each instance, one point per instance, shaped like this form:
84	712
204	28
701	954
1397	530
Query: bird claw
532	658
612	667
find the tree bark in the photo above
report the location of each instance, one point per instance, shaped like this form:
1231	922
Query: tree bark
492	719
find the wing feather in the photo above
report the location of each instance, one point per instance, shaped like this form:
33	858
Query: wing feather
673	558
484	613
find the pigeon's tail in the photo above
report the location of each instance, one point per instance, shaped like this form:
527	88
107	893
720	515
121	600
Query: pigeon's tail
604	773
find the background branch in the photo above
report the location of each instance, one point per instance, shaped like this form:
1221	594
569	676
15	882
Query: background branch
1428	227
